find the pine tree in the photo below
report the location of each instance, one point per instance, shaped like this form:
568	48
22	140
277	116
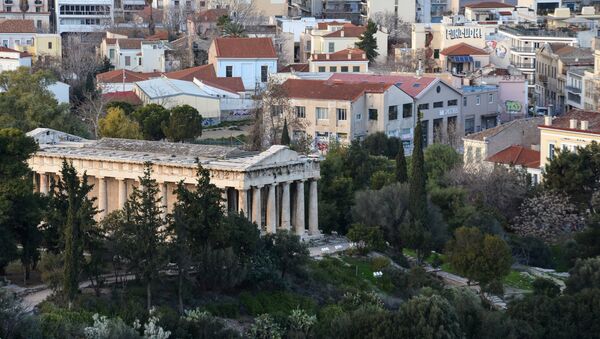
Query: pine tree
285	134
415	233
367	41
401	171
79	218
144	227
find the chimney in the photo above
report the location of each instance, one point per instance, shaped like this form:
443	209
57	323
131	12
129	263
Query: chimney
585	125
349	56
327	56
548	120
342	32
573	124
364	55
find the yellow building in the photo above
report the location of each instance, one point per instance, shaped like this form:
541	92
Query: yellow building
577	128
44	46
351	60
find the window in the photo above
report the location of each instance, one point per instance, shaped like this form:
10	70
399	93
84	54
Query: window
422	107
331	47
438	89
425	130
264	71
322	113
478	154
356	69
436	53
5	43
228	71
38	9
469	125
551	151
300	111
111	52
345	69
438	104
333	69
39	24
8	8
17	41
465	101
491	98
321	69
127	61
139	61
393	112
478	100
359	116
372	114
276	110
341	114
477	64
452	103
407	110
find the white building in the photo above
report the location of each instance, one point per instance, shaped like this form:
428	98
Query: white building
252	59
11	59
403	10
15	33
38	12
136	55
83	15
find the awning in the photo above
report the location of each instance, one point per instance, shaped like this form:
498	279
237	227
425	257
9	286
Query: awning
461	58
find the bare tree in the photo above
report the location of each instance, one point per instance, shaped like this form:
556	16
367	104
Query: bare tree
79	64
91	109
448	136
241	11
175	19
273	108
398	30
549	216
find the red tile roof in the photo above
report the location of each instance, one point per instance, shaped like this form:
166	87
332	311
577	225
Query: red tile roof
489	4
331	90
245	48
110	41
118	75
294	68
564	121
207	75
411	85
160	35
17	26
463	49
353	54
325	25
130	43
157	14
211	15
348	31
127	96
517	155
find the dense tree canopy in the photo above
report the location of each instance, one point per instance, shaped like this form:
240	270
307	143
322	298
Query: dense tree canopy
118	125
185	124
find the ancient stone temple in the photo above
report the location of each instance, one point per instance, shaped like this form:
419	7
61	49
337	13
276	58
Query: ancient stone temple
276	189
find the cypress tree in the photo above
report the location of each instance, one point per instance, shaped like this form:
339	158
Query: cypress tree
285	135
79	218
367	41
415	233
401	171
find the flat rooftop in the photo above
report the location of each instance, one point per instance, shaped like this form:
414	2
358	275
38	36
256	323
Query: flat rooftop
537	32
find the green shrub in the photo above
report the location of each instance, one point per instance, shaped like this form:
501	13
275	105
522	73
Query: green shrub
379	263
275	302
224	310
60	323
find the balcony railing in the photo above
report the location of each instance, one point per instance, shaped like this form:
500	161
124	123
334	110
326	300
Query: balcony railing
524	65
523	49
573	89
542	78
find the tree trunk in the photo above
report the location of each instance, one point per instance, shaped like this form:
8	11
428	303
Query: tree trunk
180	292
149	295
151	23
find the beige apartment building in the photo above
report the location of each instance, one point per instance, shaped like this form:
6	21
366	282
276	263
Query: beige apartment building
576	128
331	37
351	60
402	9
343	111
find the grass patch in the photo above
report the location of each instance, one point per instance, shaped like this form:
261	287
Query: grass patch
350	273
517	280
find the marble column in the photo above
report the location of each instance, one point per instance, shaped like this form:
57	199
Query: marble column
102	198
122	183
299	225
313	209
164	192
224	200
257	206
243	202
44	183
285	206
271	210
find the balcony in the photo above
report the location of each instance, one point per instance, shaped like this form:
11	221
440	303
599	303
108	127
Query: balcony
527	65
8	2
523	50
573	89
542	78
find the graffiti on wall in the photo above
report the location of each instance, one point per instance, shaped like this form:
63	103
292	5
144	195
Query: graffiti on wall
513	106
